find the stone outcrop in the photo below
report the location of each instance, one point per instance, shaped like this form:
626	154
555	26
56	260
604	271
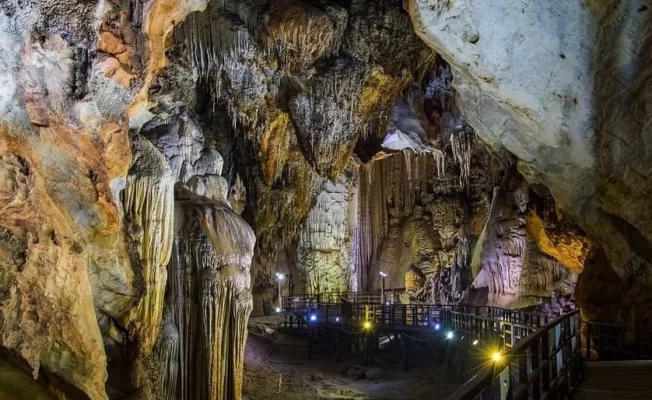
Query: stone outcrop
571	111
87	209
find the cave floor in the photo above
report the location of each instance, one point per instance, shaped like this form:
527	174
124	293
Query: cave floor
277	367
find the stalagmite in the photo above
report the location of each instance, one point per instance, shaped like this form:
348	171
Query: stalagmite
324	243
209	301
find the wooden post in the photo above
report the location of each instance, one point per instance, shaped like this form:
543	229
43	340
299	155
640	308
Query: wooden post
600	343
367	347
545	355
337	344
522	368
310	334
565	353
405	349
553	358
535	353
589	340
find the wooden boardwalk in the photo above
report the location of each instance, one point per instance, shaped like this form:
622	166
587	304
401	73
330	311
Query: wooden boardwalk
542	359
616	380
362	315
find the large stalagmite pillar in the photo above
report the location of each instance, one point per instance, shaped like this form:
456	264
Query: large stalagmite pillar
208	300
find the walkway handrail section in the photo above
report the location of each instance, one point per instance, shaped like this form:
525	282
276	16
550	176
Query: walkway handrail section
315	300
610	342
545	364
348	308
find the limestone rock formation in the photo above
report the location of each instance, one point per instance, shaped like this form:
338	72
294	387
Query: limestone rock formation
160	160
87	228
570	110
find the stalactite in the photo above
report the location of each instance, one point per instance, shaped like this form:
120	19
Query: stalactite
462	147
440	162
148	200
387	186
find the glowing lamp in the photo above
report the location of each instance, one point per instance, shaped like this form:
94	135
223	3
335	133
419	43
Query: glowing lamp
313	318
337	319
280	276
496	357
367	325
383	274
278	309
475	342
449	335
437	326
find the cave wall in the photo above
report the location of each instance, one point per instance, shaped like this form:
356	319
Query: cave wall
572	111
133	134
88	214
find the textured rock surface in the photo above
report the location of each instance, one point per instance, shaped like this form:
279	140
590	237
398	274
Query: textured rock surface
133	135
325	239
85	230
572	111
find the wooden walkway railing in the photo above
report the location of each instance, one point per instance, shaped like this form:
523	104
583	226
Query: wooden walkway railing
545	364
528	356
356	309
609	342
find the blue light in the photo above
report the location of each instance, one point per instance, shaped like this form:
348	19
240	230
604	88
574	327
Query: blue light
337	319
313	318
437	326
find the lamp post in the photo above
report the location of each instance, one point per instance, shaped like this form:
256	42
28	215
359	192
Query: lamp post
280	277
382	287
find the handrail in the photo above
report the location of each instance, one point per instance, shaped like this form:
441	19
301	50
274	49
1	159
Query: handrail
538	366
606	341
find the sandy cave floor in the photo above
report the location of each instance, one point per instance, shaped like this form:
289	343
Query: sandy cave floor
277	367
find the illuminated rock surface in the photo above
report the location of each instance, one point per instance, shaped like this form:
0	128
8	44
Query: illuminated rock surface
161	160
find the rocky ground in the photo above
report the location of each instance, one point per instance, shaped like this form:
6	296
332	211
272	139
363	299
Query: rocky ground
276	366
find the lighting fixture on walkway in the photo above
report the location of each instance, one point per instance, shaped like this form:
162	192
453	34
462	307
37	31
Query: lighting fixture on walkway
475	342
280	277
383	275
367	325
313	318
437	326
449	335
337	319
496	357
278	309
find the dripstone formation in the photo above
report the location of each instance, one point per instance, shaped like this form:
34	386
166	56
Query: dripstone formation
161	161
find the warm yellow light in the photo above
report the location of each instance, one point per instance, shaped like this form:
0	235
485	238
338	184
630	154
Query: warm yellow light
496	356
367	325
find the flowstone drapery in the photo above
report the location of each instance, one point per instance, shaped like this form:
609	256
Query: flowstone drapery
209	302
148	201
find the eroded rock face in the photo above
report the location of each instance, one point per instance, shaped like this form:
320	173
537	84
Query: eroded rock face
85	229
325	239
571	110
